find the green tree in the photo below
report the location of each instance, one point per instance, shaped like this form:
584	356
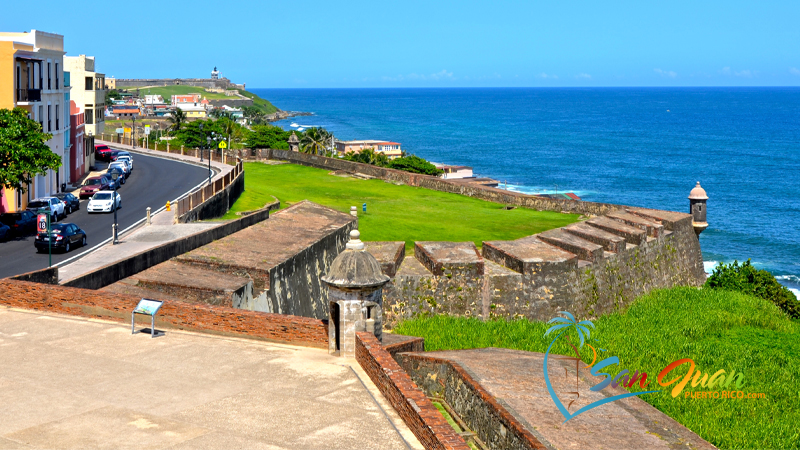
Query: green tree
113	94
315	141
368	156
194	137
267	136
177	118
23	150
415	164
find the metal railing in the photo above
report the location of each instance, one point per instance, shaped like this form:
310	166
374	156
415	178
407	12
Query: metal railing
29	95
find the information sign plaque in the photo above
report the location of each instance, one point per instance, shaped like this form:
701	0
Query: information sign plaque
148	307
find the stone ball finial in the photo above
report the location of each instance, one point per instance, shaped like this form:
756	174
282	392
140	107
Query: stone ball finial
355	268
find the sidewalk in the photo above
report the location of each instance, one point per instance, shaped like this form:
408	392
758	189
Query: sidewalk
144	237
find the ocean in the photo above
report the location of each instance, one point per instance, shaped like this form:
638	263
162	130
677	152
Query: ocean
633	146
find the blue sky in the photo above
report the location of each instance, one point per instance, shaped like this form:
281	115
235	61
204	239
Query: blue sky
410	43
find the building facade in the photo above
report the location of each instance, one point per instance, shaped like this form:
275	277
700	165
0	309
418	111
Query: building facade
32	78
391	149
77	154
88	90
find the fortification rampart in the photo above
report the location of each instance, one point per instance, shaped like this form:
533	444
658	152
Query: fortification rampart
214	83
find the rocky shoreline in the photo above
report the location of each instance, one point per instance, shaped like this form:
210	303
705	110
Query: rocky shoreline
281	115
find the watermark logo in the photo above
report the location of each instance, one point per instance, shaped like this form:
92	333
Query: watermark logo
719	379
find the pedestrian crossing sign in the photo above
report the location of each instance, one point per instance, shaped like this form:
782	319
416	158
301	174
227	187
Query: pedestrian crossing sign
222	144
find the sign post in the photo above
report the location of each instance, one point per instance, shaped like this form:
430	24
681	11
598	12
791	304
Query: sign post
43	226
147	307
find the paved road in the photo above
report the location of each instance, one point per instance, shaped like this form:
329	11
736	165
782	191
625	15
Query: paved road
152	183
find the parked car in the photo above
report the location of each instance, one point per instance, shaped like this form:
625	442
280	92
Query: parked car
112	155
122	165
50	205
94	184
71	203
21	223
63	236
127	159
114	168
102	152
102	202
5	232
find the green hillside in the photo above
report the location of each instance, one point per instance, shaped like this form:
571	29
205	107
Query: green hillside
168	91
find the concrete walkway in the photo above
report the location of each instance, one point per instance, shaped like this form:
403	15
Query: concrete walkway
73	383
144	237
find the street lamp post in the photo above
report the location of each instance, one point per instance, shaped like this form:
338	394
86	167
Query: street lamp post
133	134
208	140
201	150
115	177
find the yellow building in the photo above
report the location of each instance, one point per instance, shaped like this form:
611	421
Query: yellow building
193	110
89	94
32	78
391	149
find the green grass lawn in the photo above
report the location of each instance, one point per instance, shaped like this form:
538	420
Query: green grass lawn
717	329
264	105
168	91
394	213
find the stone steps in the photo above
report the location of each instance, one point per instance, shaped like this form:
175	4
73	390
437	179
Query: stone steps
582	248
449	258
529	255
632	235
610	241
654	229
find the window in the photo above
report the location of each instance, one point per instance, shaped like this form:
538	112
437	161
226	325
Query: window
56	81
48	76
88	116
41	116
57	117
49	115
88	84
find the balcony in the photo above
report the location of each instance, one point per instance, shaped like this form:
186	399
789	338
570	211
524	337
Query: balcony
29	95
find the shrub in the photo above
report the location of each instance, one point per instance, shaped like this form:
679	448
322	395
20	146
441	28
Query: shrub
415	164
760	283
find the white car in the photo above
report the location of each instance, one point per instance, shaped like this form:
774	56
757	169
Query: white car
101	202
50	205
122	165
127	160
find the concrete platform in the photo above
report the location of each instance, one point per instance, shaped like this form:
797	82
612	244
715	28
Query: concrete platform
610	241
583	249
653	228
632	235
73	383
442	258
515	378
529	255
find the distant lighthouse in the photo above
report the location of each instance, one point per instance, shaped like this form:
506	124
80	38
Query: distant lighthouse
215	74
697	208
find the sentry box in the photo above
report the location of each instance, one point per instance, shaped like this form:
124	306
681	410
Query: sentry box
146	307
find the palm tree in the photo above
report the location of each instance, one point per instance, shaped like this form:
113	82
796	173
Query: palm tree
581	328
178	119
314	141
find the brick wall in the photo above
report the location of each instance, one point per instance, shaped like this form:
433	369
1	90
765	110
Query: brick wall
408	400
175	315
484	415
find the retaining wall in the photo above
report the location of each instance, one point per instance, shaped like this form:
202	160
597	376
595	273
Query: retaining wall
116	271
218	204
416	410
172	315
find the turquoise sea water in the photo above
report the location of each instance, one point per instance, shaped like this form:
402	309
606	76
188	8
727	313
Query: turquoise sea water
633	146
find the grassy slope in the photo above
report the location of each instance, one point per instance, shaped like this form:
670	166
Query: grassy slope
264	105
394	213
168	91
717	329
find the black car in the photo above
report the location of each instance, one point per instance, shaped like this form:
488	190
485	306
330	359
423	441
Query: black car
63	236
71	203
5	232
21	223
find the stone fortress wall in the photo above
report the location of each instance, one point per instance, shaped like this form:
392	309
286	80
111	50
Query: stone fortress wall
213	83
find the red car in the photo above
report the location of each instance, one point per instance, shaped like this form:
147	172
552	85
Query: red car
94	184
103	153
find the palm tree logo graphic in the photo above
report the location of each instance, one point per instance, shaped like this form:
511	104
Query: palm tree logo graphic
582	329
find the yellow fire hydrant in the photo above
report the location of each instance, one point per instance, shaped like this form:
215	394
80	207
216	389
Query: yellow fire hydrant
167	205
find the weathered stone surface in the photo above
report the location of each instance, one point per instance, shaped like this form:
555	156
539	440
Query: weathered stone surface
583	249
528	255
449	258
389	255
654	229
632	235
610	241
502	396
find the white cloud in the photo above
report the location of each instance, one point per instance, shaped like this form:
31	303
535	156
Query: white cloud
665	73
584	76
745	74
738	73
794	71
725	71
442	75
544	75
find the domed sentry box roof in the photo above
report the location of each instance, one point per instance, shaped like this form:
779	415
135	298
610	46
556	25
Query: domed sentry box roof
698	193
355	268
293	138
